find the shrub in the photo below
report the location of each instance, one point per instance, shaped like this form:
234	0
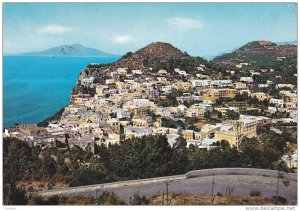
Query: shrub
254	192
110	198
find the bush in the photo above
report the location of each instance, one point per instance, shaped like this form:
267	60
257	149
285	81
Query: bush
110	198
38	200
254	192
219	194
138	200
279	200
87	177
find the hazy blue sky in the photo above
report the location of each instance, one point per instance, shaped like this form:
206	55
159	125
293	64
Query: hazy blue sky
198	28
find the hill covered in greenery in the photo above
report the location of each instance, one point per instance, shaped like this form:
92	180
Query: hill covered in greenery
258	53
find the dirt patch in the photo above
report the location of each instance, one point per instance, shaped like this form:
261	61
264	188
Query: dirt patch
33	184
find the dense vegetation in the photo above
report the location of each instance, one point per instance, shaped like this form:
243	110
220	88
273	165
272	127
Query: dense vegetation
138	158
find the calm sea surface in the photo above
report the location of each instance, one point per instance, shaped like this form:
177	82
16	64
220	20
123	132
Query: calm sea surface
35	87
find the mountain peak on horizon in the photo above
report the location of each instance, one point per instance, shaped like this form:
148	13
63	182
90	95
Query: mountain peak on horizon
160	50
76	49
154	52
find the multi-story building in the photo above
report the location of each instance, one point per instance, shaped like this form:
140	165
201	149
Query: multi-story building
234	130
122	71
211	83
137	72
276	102
260	120
166	89
246	79
195	112
145	121
213	94
86	81
188	134
152	93
101	89
135	132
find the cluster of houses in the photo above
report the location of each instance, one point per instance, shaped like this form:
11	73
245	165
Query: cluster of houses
125	107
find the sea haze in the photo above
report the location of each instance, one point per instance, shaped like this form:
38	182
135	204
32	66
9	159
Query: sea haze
36	87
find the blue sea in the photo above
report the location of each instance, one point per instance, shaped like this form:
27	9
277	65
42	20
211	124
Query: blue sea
35	87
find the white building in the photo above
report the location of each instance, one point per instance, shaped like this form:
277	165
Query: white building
247	79
166	89
291	86
221	83
131	132
137	72
200	83
276	102
109	81
86	81
293	114
263	85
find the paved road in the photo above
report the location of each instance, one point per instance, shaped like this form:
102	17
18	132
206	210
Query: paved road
242	185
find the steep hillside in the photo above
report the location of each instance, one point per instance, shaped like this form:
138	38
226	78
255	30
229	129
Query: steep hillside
257	53
156	55
151	58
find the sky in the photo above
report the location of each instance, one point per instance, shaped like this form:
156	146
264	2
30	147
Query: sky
200	29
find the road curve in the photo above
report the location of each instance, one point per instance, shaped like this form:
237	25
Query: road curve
194	182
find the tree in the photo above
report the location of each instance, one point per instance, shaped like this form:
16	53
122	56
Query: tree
87	176
241	98
48	165
251	153
18	161
232	115
280	166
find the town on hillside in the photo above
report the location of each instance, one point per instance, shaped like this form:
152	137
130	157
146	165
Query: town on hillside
187	101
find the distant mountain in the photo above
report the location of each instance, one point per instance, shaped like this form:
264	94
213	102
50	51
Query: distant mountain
70	50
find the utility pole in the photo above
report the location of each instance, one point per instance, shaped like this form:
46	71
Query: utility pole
277	189
167	184
184	200
97	191
212	190
163	199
